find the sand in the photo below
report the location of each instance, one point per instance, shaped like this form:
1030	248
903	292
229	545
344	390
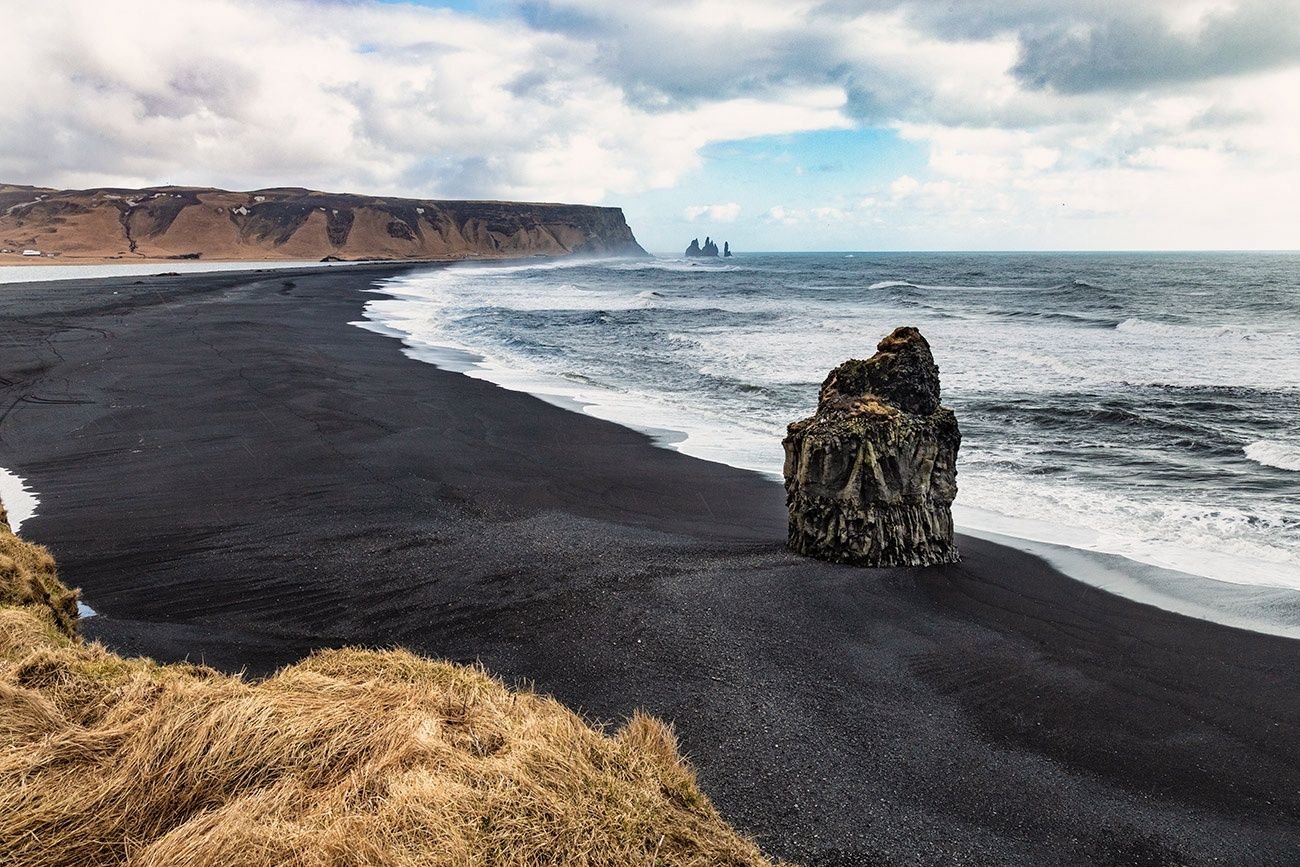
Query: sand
191	436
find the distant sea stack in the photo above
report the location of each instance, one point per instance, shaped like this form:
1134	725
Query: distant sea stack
708	251
870	478
290	223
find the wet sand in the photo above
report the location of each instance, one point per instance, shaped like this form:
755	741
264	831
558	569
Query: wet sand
232	473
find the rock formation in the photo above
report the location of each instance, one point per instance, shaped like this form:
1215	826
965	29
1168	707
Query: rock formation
726	249
708	251
870	478
291	223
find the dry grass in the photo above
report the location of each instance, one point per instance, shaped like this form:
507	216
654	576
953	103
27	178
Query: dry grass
349	757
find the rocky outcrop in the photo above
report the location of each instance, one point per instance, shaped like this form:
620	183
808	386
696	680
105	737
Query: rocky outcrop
870	478
708	251
290	223
726	249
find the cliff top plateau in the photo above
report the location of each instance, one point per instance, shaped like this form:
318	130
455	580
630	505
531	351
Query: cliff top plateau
47	226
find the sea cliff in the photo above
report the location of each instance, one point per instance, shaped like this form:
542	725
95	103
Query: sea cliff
293	224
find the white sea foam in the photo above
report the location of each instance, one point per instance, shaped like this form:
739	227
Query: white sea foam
697	266
780	349
20	501
1274	454
1136	325
1216	542
480	270
952	287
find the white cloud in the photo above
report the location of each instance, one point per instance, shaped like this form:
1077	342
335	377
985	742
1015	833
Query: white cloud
822	214
716	213
366	97
785	216
903	186
584	100
829	215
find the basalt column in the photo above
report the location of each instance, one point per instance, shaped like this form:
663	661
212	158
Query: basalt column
870	478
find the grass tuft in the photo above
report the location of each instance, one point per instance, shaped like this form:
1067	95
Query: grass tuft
349	757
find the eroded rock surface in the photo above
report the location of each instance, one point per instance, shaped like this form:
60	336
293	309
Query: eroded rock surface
870	478
708	251
298	224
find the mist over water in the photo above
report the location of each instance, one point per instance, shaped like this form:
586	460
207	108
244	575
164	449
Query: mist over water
1146	405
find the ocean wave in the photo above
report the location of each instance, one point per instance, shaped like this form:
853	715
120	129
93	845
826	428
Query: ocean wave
1085	417
482	269
1274	454
1233	545
1137	325
677	265
1090	292
1094	412
1072	372
1057	316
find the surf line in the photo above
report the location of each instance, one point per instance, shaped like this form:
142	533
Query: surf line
20	502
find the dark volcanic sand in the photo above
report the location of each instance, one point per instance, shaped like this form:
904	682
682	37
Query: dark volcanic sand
233	473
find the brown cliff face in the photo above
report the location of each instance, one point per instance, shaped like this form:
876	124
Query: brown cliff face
193	223
870	478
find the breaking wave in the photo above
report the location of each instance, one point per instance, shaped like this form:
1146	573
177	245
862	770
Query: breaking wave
1149	328
1274	454
1112	406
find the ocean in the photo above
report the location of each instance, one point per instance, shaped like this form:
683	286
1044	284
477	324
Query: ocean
1143	405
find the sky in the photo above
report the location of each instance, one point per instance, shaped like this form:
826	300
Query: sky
774	124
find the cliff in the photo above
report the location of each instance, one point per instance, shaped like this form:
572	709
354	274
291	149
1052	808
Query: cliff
287	223
349	757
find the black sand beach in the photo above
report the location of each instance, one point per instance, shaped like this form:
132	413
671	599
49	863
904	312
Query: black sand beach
232	473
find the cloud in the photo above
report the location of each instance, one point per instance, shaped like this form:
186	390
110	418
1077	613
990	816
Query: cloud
359	96
716	213
824	214
1032	115
903	187
1134	47
785	216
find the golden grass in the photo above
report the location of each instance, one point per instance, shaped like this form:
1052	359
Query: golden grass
349	757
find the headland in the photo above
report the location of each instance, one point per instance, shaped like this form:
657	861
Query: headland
39	225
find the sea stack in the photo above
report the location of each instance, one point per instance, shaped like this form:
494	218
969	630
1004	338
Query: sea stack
870	478
708	251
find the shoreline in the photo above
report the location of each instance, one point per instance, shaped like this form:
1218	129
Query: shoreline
20	501
1272	609
233	472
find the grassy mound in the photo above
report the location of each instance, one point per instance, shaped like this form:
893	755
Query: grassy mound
349	757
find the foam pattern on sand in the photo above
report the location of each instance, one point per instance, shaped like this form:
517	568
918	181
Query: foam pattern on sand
20	500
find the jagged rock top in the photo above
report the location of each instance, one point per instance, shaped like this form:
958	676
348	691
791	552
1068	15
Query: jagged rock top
708	251
870	478
900	377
